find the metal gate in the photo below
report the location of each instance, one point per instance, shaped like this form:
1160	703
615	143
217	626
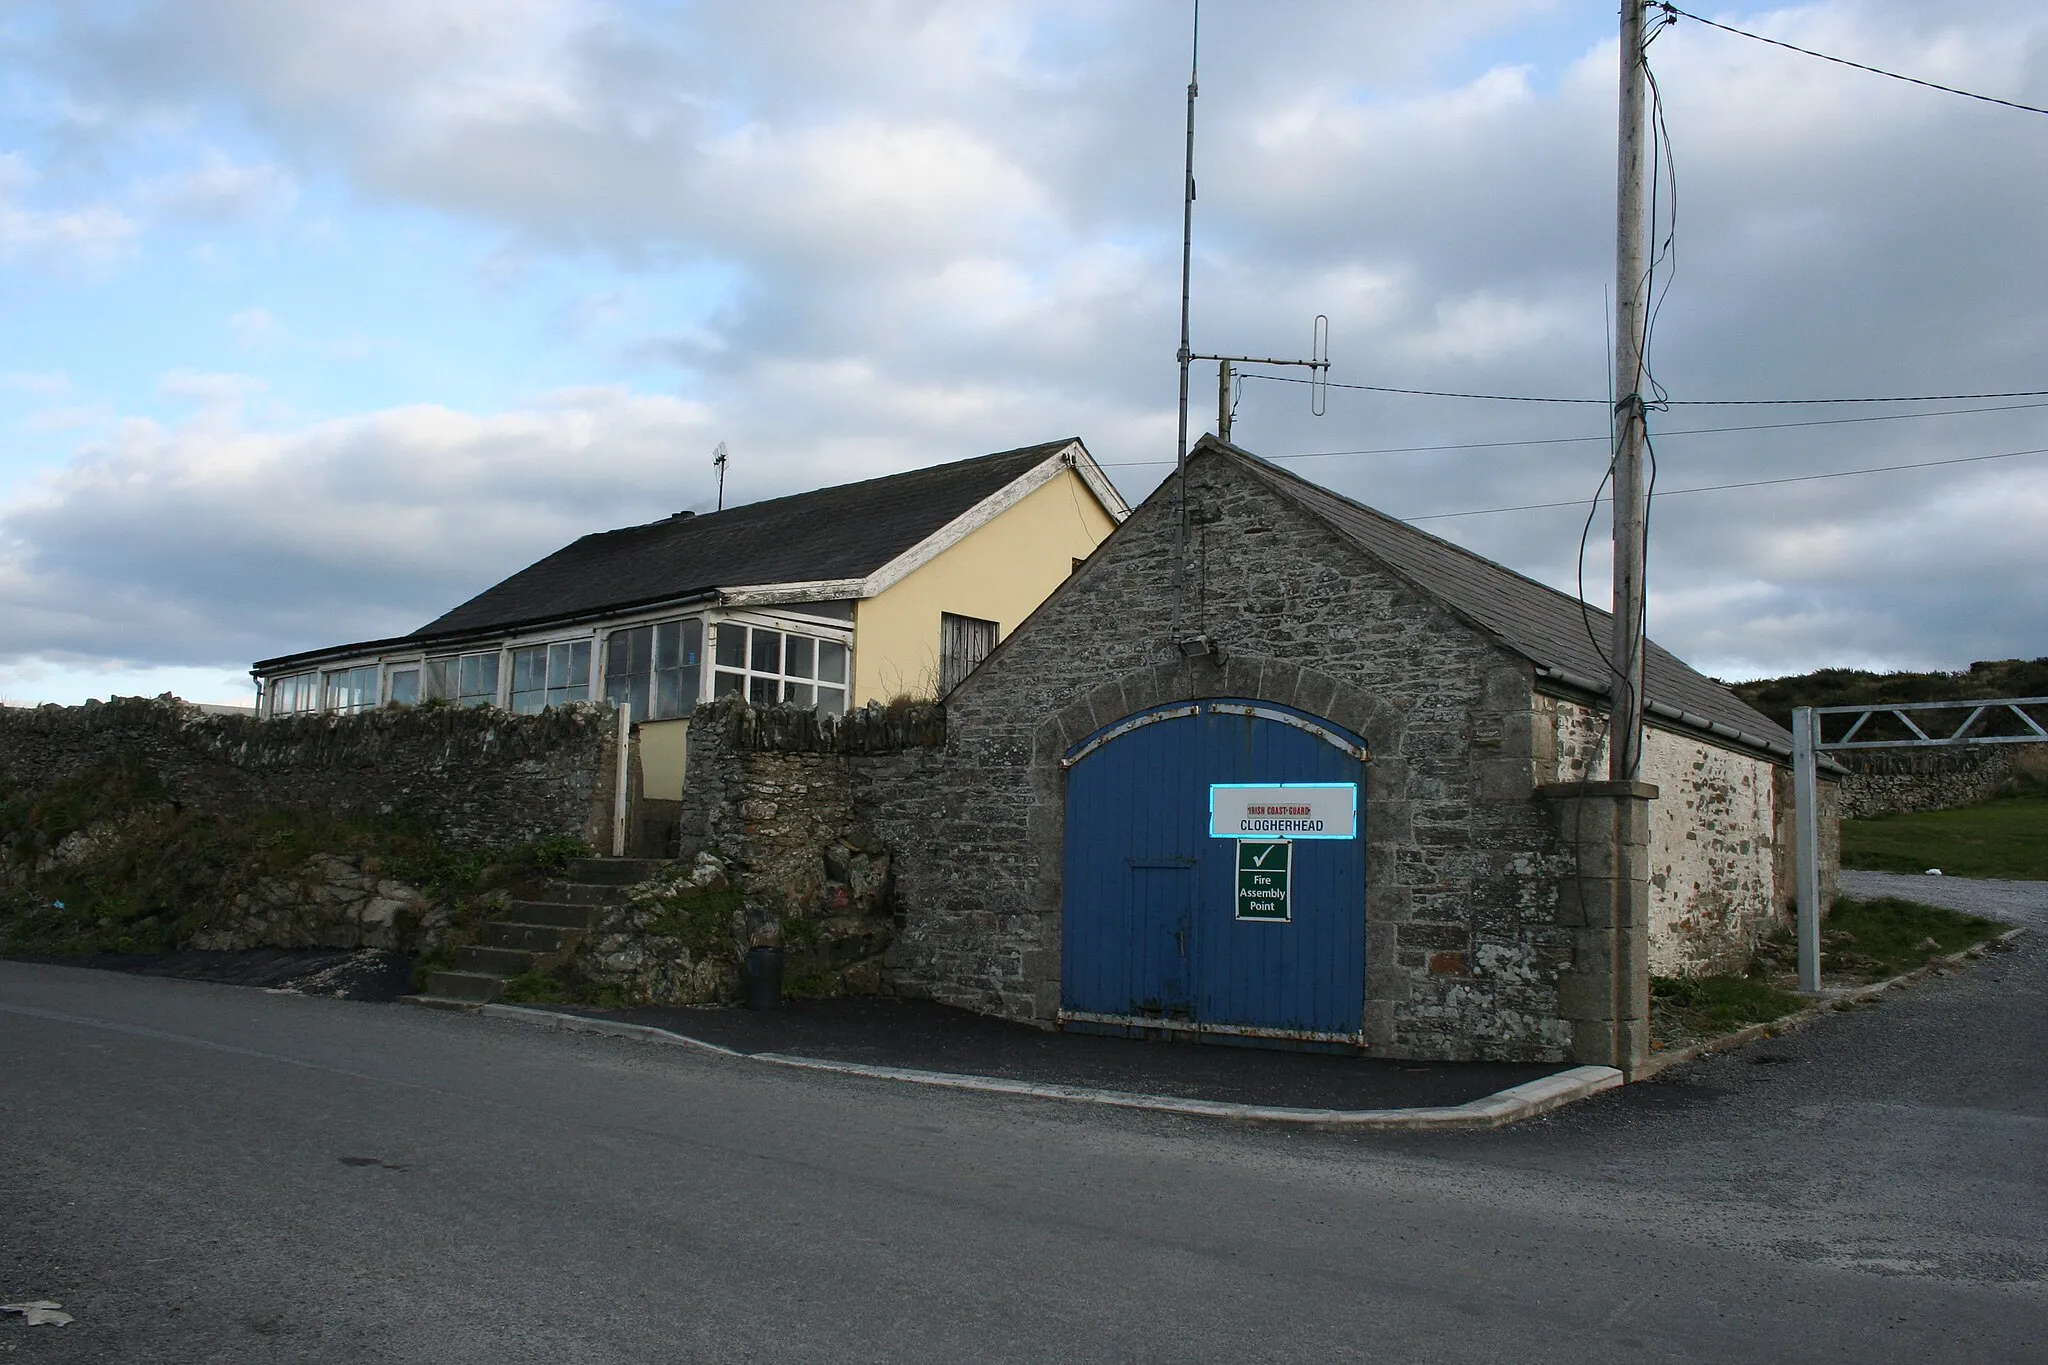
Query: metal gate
1152	936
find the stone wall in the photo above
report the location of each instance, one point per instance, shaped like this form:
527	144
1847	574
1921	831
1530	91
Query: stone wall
1895	781
479	777
789	799
1722	872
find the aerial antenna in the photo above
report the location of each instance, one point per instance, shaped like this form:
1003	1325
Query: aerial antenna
1317	364
1187	247
718	459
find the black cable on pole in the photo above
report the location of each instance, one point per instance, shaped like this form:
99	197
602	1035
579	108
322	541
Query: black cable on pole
1673	12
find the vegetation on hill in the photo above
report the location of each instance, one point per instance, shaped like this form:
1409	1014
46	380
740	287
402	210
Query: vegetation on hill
1776	697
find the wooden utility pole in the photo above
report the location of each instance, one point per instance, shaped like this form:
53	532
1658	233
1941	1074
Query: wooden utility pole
1631	305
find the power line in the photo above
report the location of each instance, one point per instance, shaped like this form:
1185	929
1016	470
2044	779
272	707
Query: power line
1674	12
1674	402
1750	483
1587	440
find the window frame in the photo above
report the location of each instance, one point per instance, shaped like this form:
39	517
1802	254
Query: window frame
781	687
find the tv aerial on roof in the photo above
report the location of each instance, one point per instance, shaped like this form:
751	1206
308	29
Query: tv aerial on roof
1318	362
718	459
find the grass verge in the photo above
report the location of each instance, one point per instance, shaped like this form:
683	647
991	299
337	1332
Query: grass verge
1862	942
2003	838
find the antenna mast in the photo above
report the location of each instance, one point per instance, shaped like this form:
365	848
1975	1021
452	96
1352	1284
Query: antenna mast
718	459
1187	241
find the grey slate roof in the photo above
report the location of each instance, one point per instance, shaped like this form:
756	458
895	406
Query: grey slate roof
1537	622
829	533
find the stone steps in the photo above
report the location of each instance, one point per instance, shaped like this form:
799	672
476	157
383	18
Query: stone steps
561	914
531	935
500	962
614	871
475	988
531	938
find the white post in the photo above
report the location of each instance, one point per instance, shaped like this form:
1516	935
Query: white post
619	787
1806	837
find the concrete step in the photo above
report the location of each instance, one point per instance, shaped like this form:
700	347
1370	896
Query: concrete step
495	961
440	1002
584	893
530	938
476	986
614	871
547	912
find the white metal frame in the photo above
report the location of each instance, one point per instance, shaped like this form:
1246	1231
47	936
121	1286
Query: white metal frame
1808	743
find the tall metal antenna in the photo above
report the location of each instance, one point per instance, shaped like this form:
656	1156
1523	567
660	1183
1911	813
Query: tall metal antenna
718	459
1187	247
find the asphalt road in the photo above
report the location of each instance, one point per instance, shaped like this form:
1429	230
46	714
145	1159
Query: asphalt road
202	1172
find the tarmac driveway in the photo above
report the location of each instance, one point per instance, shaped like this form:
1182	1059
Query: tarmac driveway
208	1172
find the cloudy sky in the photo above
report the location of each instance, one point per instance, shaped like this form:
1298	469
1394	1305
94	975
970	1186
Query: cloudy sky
316	319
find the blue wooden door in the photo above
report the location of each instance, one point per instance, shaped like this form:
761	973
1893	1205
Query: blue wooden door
1150	927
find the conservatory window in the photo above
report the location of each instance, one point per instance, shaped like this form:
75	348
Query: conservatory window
655	669
774	666
550	675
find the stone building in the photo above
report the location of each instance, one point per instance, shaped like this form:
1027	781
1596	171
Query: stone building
1056	858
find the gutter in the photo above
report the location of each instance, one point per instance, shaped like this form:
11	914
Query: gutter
477	634
1665	711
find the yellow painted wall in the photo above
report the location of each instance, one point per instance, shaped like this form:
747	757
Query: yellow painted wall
999	573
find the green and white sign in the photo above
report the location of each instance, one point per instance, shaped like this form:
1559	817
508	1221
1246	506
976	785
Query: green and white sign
1262	868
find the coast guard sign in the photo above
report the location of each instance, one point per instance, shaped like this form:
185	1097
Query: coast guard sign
1283	810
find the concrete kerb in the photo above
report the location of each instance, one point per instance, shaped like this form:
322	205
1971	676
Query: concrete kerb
1491	1111
1728	1042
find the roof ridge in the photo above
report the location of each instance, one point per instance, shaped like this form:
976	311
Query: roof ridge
1049	447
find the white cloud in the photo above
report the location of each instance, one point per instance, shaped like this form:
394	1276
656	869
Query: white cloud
219	190
91	235
951	227
253	327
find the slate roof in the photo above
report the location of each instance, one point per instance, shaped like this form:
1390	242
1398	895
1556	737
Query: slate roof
1537	622
830	533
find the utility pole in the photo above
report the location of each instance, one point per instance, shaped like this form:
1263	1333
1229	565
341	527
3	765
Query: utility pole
1222	400
1625	685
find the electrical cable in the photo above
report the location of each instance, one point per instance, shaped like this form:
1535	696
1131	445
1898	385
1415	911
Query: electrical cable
1673	13
1746	483
1586	440
1675	402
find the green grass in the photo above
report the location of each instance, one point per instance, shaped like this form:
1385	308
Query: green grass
1708	1006
1882	938
1861	942
2003	838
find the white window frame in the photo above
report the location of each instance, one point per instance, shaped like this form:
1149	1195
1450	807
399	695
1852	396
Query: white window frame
810	628
510	649
600	666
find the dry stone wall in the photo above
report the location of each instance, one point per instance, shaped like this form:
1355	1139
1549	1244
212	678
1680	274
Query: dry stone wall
1897	781
479	777
791	805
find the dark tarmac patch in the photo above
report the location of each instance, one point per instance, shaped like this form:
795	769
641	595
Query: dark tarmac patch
924	1036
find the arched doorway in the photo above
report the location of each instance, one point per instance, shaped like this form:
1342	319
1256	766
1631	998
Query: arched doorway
1164	926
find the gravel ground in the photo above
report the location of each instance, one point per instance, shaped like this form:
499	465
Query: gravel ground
2014	902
